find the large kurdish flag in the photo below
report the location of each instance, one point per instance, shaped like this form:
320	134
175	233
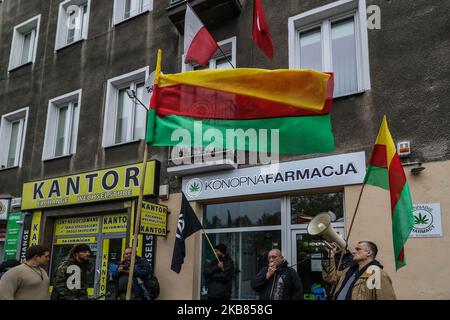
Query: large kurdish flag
385	171
296	102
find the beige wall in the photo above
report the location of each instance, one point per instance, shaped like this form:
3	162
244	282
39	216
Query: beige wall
183	285
426	275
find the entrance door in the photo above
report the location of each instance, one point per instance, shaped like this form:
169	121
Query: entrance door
309	251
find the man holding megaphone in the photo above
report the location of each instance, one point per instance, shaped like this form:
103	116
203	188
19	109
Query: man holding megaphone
364	280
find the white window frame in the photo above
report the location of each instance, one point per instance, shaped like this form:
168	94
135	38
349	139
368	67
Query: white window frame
323	17
71	129
119	10
5	135
62	27
212	63
19	32
112	95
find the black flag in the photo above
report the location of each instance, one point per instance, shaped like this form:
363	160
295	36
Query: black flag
187	224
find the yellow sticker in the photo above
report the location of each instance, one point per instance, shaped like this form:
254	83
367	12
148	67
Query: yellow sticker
114	223
78	225
76	240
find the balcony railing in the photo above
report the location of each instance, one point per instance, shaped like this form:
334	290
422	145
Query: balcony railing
211	12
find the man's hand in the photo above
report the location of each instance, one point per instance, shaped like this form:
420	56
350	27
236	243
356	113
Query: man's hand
271	270
220	265
332	252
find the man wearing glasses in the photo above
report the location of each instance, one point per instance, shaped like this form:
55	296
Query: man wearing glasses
277	281
365	280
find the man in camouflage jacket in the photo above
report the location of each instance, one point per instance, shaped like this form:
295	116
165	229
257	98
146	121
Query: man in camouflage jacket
76	267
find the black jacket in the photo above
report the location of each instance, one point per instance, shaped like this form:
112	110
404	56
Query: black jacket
284	284
219	282
142	270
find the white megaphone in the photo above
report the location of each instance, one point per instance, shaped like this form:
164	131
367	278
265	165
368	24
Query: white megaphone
321	226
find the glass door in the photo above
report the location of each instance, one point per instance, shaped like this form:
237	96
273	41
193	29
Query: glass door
308	252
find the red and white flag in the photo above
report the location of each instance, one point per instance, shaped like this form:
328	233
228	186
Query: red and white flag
261	33
199	45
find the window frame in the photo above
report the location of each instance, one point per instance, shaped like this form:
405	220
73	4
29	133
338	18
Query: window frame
6	123
71	129
323	17
212	63
19	32
62	30
119	10
113	87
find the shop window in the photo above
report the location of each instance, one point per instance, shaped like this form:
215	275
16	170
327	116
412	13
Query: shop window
333	38
62	126
218	60
306	207
126	9
243	214
73	22
248	250
125	118
24	43
12	136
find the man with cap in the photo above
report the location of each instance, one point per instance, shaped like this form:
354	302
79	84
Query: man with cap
219	274
70	280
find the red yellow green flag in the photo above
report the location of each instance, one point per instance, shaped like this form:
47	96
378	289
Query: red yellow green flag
295	102
385	171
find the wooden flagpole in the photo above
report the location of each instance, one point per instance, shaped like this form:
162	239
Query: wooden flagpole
141	195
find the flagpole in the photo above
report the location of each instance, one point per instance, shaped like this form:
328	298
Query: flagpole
210	244
141	195
226	57
348	234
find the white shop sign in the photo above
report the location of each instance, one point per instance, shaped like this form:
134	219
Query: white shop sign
427	220
339	170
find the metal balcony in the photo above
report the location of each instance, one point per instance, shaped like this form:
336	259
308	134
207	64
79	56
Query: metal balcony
212	12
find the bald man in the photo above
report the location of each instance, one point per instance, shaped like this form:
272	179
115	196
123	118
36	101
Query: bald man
277	281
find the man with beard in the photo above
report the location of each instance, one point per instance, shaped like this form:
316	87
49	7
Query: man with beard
277	281
70	281
219	275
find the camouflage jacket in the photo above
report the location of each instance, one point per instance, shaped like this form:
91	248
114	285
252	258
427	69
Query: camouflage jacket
61	291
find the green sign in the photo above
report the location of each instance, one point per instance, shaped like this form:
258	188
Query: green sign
12	235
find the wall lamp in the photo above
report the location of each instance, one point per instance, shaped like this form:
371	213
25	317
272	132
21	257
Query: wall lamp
417	167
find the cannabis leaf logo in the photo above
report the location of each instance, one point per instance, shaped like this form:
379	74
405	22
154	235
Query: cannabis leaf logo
194	187
420	219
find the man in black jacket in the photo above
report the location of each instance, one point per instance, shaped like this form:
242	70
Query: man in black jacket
277	281
142	270
219	275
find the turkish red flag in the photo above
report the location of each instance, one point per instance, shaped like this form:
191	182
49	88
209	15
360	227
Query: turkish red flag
261	33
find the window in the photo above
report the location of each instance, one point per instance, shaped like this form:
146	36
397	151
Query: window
12	136
249	229
126	9
73	22
125	118
218	60
24	43
62	126
333	38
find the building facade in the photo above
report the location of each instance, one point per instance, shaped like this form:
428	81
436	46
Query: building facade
71	140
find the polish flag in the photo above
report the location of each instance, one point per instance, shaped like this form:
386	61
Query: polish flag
199	45
261	33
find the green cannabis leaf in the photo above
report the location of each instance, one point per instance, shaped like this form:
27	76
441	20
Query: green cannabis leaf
194	187
420	219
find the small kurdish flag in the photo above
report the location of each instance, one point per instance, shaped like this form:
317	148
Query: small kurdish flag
385	171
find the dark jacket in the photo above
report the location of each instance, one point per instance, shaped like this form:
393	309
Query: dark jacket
284	284
142	270
61	291
219	282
